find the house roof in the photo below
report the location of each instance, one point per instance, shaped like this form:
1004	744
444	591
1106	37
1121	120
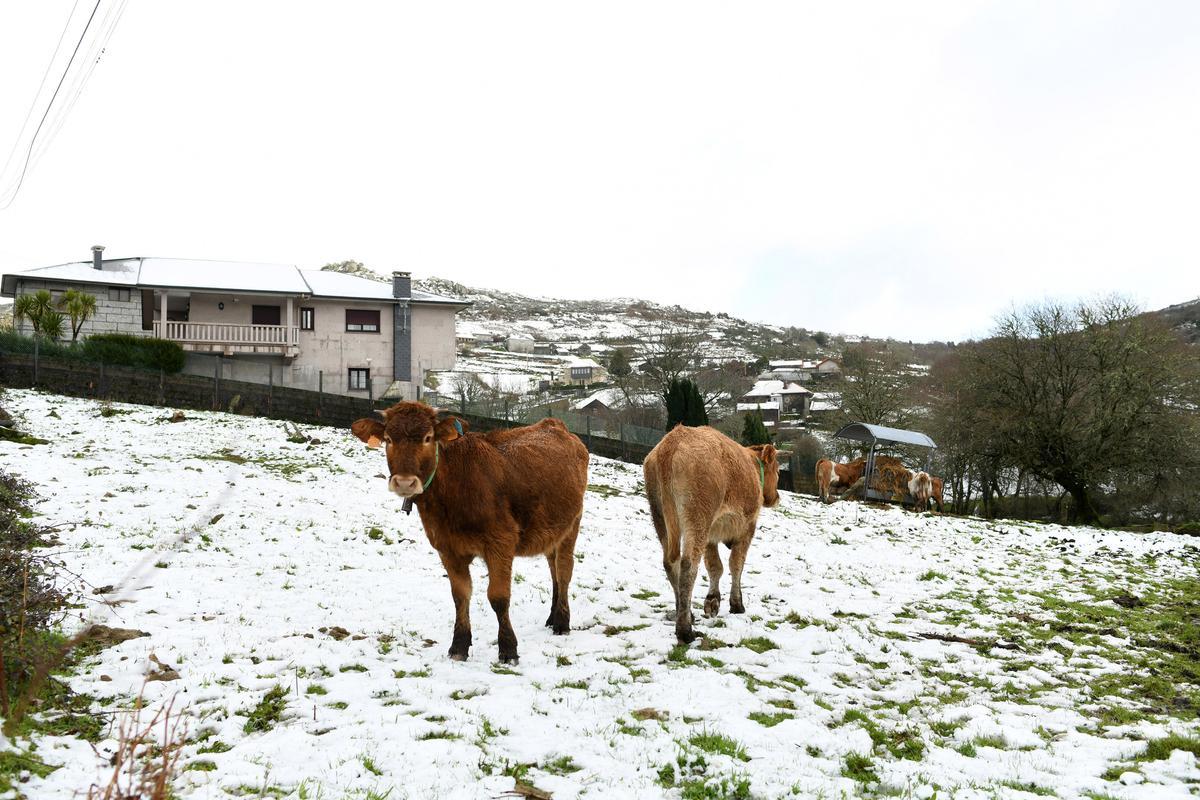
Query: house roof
582	362
220	276
769	388
770	406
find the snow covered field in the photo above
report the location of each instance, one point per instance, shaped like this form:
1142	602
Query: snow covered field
828	687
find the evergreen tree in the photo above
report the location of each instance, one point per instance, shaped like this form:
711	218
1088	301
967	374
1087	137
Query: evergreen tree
618	365
753	429
684	404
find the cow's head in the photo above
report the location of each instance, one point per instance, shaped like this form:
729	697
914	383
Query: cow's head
411	434
765	453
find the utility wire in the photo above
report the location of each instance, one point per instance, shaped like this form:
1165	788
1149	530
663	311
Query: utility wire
75	90
38	93
33	141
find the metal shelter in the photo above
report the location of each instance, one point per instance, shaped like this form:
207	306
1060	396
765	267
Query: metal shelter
881	436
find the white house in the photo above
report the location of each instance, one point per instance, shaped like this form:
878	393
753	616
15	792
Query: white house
777	400
582	371
267	322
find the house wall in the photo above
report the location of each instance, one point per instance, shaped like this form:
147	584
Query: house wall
333	350
112	316
433	342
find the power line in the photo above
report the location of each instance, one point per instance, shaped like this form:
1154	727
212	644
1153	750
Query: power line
75	90
38	93
33	141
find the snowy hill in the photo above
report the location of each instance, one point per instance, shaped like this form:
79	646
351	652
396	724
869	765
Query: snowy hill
882	651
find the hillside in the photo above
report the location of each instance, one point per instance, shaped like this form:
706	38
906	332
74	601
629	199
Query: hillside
883	653
1184	318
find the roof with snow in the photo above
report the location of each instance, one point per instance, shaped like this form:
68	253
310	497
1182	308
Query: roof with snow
769	388
880	434
220	276
581	363
770	406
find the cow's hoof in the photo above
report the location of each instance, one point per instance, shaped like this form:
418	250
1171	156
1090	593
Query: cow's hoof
457	656
712	605
736	608
686	637
550	621
562	630
509	658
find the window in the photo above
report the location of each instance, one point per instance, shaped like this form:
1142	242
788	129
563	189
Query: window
362	321
264	315
581	373
119	295
360	379
308	318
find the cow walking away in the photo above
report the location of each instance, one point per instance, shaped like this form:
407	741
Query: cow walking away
704	490
516	492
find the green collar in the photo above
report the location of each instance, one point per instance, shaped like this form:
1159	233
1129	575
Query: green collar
437	451
762	474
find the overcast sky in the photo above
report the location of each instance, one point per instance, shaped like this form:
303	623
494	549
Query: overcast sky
902	169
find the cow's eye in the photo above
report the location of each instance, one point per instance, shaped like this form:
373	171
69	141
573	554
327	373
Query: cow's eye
428	438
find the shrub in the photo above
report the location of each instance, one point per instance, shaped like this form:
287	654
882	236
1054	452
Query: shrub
33	599
1189	529
754	431
134	351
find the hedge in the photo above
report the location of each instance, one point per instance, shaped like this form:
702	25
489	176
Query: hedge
105	348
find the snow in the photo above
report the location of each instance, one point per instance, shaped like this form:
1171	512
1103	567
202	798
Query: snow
843	591
772	406
122	272
231	276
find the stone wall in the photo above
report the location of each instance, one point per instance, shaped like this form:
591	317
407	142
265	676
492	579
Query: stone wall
117	310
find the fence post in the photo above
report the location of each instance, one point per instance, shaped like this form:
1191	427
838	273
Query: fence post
217	384
270	388
370	389
100	385
320	391
624	448
35	359
162	395
588	420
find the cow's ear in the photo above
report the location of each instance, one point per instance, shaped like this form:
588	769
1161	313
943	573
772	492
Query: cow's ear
767	454
449	429
369	430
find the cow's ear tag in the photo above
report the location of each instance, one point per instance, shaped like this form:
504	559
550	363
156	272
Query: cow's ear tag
458	426
407	507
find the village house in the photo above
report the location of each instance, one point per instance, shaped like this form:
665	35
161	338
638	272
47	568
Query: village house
309	329
780	402
802	370
582	372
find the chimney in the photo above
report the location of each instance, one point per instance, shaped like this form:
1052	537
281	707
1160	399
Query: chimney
401	285
97	255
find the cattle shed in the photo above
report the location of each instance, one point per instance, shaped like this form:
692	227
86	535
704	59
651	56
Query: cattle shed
878	436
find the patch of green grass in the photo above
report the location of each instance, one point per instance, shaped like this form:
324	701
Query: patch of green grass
203	765
459	694
998	742
759	644
718	744
679	655
370	766
353	668
425	737
563	765
930	574
1160	749
215	746
615	630
1032	788
770	720
644	594
860	768
316	688
572	685
268	712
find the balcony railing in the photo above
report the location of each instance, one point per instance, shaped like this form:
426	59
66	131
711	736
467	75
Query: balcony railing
234	338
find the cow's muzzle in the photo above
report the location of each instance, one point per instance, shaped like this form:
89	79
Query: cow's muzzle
405	485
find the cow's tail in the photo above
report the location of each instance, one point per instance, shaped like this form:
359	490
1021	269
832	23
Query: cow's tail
670	544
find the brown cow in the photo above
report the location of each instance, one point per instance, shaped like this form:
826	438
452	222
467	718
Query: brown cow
516	492
936	490
831	474
920	486
705	489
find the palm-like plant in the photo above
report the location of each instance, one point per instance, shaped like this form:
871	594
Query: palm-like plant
80	307
35	307
52	324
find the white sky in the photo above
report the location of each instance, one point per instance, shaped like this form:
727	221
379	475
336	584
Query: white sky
903	169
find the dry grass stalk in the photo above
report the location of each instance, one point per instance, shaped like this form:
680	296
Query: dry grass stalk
147	757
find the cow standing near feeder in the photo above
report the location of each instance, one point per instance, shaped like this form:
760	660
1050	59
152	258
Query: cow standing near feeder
920	486
516	492
831	475
705	489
